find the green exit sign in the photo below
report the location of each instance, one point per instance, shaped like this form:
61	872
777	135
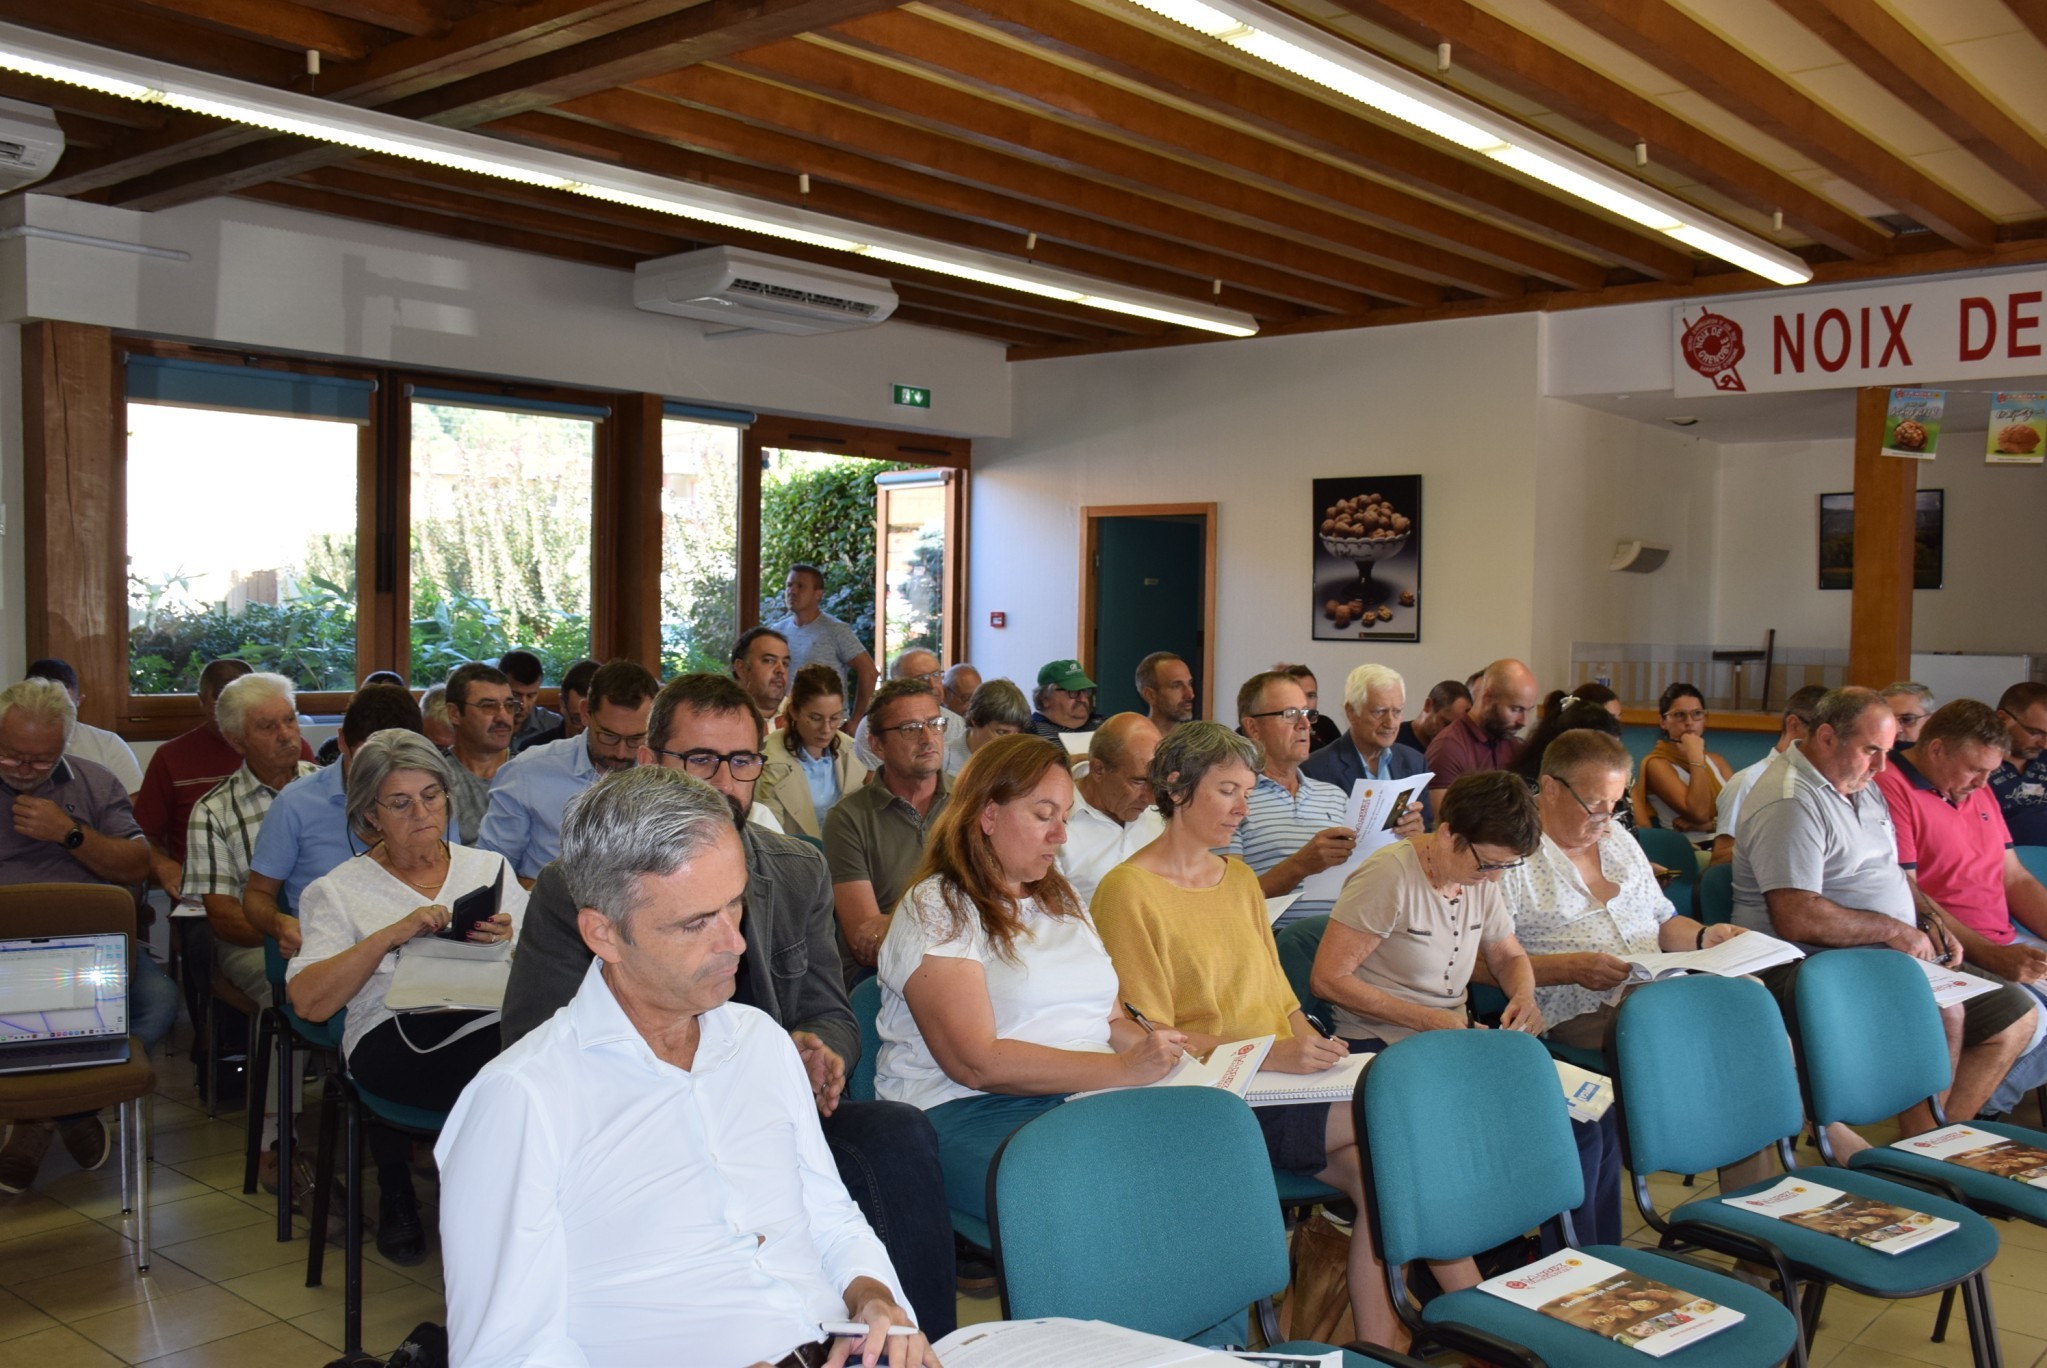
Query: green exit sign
912	396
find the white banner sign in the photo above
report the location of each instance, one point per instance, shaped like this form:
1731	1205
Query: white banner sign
1956	328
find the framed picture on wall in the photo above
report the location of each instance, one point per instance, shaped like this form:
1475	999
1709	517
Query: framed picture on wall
1367	536
1837	540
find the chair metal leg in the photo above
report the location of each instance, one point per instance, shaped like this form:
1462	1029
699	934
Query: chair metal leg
261	1032
1940	1319
289	1092
144	1108
323	1179
1984	1349
209	1080
351	1301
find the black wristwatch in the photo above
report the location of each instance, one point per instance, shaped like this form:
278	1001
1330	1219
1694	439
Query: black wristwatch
1702	939
76	836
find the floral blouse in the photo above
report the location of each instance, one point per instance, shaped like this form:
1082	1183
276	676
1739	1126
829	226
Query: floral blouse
1556	914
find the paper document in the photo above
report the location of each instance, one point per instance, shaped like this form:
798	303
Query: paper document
1731	958
1861	1220
1267	1358
1230	1067
438	975
1057	1342
1372	811
1587	1095
1275	908
1333	1084
1984	1151
1953	985
1076	743
1613	1302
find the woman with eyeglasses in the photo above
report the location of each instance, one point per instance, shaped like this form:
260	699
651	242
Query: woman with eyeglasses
355	922
1585	897
811	763
1681	779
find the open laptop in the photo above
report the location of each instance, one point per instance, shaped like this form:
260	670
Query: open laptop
63	1002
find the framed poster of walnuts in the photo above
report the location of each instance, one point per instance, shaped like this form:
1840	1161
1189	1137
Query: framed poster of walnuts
1368	559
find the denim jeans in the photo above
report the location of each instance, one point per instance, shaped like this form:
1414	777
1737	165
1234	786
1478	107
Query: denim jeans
887	1155
152	1000
2029	1070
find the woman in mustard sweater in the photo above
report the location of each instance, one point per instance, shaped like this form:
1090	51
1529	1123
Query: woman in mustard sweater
1188	933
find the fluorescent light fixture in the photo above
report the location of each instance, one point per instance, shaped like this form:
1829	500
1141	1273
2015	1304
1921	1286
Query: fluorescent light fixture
151	82
1258	30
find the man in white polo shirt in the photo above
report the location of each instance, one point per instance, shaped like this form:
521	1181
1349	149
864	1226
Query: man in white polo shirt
1114	813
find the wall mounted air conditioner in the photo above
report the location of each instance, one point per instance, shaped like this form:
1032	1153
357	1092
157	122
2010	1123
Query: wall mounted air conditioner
30	144
735	290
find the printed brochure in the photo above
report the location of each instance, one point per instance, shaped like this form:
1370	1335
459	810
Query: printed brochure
1877	1225
1980	1150
1612	1302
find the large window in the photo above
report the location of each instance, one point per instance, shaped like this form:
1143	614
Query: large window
501	534
699	544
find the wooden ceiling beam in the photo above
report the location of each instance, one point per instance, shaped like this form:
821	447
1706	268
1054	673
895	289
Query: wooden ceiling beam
713	98
1496	51
1670	39
70	99
1901	61
1060	93
1008	333
1329	127
457	227
630	128
2033	14
414	18
159	35
945	301
281	25
840	76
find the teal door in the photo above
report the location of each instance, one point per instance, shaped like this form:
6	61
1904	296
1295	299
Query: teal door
1150	576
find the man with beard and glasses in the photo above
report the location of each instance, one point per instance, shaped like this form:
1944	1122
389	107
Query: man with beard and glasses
887	1154
523	822
480	706
1489	736
2020	783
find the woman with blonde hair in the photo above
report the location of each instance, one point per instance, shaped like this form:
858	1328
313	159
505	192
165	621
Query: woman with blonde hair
997	998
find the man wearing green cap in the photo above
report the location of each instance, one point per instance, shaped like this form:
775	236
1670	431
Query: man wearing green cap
1064	701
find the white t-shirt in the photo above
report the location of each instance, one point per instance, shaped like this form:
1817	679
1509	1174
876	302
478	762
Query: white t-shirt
1727	808
103	747
361	897
1060	992
1096	842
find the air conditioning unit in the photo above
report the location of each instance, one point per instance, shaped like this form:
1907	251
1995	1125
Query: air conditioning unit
735	290
30	143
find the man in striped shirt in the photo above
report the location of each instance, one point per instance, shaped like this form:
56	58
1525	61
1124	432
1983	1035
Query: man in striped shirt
1296	824
258	714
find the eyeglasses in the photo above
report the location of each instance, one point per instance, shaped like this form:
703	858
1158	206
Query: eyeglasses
1596	816
1294	717
1911	719
491	706
741	765
29	762
935	725
1688	715
931	676
837	719
612	740
1485	868
432	796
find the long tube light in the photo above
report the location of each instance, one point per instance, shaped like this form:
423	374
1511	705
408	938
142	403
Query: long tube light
1279	39
142	79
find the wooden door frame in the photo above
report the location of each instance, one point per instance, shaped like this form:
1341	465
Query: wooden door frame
1090	544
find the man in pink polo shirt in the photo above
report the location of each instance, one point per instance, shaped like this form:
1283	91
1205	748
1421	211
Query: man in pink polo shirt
1956	851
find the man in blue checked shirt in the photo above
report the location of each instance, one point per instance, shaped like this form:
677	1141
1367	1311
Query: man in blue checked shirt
1296	826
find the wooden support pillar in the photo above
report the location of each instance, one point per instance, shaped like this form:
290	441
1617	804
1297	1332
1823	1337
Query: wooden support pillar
1886	502
629	537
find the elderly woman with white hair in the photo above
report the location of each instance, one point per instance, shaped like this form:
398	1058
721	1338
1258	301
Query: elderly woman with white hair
355	922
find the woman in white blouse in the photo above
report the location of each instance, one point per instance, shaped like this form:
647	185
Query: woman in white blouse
997	998
356	920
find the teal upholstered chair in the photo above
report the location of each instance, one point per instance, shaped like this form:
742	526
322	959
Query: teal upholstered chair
1704	1071
1673	850
2034	858
866	997
1716	894
1467	1145
1151	1208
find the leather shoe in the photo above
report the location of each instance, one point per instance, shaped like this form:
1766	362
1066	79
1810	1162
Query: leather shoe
266	1171
22	1155
85	1140
400	1236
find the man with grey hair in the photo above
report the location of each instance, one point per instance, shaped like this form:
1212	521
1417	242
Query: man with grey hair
71	823
1911	703
1113	814
1167	687
1296	825
716	1218
1373	699
960	682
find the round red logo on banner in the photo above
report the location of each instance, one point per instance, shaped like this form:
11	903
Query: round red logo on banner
1712	346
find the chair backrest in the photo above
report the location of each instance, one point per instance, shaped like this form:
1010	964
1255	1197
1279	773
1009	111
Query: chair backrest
66	909
1673	850
866	997
1298	941
2034	858
1704	1073
1716	893
1468	1143
1152	1208
1869	1034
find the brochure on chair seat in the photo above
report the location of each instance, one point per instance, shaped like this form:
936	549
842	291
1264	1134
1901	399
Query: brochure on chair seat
1613	1302
1731	958
1982	1150
1875	1225
1230	1067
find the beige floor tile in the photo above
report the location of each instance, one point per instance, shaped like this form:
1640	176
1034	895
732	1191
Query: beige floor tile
175	1222
2020	1308
97	1288
1905	1329
53	1251
152	1329
386	1319
18	1318
268	1346
1847	1314
97	1195
232	1253
1825	1350
197	1142
1860	1355
220	1171
59	1347
31	1213
976	1308
166	1116
282	1290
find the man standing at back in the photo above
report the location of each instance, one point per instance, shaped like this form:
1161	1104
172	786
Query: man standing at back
523	820
815	637
1489	736
1167	687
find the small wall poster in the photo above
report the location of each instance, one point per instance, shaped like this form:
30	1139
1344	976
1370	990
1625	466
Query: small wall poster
1912	423
2018	428
1367	535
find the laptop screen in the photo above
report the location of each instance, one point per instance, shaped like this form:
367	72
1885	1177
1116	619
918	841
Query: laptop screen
63	988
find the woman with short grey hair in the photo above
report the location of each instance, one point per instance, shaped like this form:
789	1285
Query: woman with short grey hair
998	708
355	923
